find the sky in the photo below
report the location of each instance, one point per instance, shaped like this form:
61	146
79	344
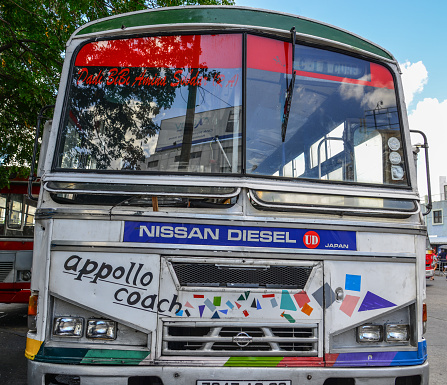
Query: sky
416	36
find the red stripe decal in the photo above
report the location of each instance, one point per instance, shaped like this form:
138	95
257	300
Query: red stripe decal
192	51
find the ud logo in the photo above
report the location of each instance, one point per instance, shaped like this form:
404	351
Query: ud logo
311	239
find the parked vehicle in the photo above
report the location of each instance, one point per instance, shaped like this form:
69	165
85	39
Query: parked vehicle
228	196
16	241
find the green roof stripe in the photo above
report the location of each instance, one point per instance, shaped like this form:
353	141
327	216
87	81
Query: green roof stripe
232	15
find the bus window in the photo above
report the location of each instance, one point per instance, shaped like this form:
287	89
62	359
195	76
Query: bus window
336	98
30	212
15	211
155	104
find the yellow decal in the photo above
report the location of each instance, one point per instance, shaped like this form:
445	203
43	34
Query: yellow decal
32	348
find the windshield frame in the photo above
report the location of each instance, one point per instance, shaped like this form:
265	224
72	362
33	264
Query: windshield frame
243	123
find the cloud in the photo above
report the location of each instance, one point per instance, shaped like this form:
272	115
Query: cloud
414	78
430	117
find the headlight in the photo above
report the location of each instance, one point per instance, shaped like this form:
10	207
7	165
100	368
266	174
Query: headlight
102	329
397	333
370	333
68	326
24	275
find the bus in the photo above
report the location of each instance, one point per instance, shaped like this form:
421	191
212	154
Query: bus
17	213
228	197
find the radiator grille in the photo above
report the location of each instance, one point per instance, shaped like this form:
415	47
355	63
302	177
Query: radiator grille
203	274
276	340
5	269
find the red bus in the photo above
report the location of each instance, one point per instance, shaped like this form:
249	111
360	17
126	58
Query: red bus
16	241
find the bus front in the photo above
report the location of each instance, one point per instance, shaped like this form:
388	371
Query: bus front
224	204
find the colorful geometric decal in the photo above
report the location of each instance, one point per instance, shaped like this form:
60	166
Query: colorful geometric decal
329	295
318	295
348	305
187	304
306	309
288	317
274	302
353	282
90	356
217	301
302	298
287	301
229	304
373	302
201	309
215	315
209	305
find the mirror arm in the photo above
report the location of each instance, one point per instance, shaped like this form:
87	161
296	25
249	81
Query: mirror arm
32	178
429	205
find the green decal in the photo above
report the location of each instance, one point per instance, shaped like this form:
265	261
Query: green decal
254	361
114	357
217	301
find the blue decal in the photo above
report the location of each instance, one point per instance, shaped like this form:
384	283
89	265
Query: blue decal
353	282
211	235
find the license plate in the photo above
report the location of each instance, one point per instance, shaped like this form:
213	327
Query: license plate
254	382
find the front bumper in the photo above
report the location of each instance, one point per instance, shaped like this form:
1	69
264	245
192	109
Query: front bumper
187	375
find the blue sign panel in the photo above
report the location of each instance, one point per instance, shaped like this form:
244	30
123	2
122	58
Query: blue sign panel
197	234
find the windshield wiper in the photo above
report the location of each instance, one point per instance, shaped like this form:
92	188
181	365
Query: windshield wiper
289	92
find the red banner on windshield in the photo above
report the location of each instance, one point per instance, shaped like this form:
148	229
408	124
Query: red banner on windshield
276	56
191	51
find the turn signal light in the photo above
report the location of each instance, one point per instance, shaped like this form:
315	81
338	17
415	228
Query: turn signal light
32	312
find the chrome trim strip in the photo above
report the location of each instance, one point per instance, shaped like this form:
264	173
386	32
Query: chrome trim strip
148	193
370	211
254	183
174	250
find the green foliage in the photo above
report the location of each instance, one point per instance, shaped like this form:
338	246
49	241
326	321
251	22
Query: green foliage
32	42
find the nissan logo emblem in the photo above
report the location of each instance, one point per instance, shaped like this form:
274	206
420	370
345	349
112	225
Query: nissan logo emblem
242	339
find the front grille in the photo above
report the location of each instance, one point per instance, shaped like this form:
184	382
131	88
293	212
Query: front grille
215	275
5	269
212	340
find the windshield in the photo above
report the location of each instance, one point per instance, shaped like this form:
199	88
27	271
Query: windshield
343	123
173	104
166	103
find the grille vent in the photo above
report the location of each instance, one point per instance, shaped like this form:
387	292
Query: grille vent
212	275
280	340
5	269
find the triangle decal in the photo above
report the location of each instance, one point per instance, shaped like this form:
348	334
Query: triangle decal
373	301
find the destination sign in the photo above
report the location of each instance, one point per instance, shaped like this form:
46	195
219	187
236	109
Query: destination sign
248	236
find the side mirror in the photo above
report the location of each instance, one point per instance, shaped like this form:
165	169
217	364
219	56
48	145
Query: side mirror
43	147
32	177
427	169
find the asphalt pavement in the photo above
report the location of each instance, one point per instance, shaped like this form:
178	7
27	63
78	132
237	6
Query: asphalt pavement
13	328
436	335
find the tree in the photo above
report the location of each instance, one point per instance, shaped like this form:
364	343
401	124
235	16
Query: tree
32	43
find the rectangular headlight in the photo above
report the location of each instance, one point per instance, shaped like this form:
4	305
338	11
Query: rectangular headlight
397	333
370	333
68	326
101	329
